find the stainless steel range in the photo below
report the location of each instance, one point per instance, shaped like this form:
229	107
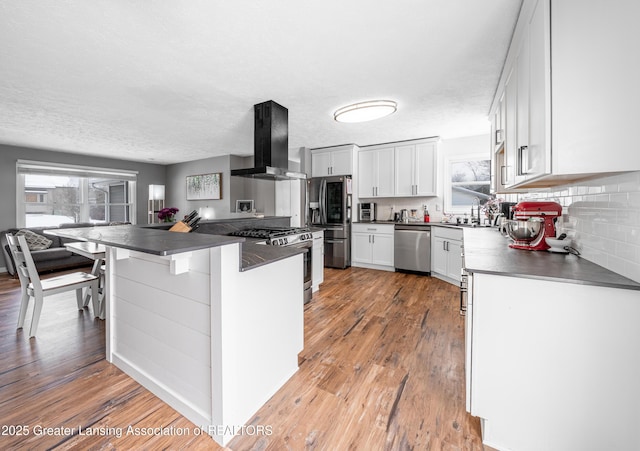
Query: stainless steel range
286	236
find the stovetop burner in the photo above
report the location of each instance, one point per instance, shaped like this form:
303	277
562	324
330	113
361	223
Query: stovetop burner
277	236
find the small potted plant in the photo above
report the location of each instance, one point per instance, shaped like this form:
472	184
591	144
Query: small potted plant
167	214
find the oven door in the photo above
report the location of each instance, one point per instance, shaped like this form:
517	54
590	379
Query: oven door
307	258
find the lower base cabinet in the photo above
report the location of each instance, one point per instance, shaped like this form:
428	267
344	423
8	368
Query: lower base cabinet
372	246
446	254
547	362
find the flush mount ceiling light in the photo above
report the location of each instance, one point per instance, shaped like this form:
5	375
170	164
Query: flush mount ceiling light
365	111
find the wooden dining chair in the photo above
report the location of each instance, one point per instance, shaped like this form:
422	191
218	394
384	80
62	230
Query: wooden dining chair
33	287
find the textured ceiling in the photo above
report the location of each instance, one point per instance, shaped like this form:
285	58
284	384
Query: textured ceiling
170	81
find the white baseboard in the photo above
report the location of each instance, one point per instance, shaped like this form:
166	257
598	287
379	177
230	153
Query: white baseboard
3	269
371	266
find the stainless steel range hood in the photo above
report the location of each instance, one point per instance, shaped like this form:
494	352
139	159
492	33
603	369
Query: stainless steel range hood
270	144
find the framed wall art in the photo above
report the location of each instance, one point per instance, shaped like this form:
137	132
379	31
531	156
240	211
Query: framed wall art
204	186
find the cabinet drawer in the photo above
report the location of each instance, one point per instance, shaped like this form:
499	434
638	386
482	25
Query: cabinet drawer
447	233
378	229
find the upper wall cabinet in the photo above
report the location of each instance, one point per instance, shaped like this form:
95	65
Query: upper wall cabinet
498	120
332	161
415	170
403	169
375	172
567	95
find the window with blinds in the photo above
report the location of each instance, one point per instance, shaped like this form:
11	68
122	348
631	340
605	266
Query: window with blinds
50	194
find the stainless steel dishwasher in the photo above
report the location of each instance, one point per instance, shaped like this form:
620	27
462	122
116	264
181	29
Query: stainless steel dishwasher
412	248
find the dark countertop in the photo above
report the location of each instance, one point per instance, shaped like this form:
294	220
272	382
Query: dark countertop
487	251
162	242
255	255
148	240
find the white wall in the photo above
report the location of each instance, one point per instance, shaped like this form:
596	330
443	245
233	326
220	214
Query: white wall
602	216
176	186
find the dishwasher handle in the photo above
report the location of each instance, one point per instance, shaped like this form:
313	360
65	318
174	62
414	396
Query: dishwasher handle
413	228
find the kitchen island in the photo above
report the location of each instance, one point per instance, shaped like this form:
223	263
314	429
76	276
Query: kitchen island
211	333
552	346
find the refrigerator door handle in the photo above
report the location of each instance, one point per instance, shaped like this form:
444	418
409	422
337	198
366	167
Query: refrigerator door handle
323	206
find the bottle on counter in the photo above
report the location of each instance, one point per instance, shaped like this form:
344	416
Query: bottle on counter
426	214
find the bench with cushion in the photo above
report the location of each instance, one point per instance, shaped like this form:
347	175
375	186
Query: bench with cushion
46	257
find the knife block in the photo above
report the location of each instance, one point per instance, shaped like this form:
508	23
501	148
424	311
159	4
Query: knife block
180	227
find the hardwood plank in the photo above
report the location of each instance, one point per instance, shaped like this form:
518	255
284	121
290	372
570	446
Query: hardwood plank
382	368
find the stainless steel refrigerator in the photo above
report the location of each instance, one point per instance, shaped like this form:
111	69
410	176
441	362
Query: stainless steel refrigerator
330	209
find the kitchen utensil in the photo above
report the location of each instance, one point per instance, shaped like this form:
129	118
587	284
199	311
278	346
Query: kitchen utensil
404	216
558	245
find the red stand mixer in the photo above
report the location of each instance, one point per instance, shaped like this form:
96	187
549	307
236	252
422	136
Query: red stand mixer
533	222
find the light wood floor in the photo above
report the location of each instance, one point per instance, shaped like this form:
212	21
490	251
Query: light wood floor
382	368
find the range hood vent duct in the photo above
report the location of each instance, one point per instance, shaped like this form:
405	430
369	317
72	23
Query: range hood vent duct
270	144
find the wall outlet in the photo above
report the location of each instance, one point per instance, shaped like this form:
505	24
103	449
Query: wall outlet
437	207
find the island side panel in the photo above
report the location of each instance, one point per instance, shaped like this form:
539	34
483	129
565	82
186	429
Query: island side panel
555	365
159	327
258	323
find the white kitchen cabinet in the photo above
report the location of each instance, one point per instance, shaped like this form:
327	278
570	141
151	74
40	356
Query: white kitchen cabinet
375	172
498	121
446	254
415	169
507	173
497	124
525	98
541	351
332	161
406	169
372	246
583	128
317	260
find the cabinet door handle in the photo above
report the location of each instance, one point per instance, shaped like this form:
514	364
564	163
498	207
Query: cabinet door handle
447	246
373	190
444	246
369	239
523	160
373	239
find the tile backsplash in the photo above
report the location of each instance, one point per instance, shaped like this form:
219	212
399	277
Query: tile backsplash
602	217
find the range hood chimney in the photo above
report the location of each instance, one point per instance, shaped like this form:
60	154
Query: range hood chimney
270	144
